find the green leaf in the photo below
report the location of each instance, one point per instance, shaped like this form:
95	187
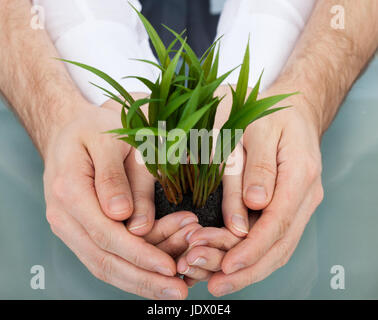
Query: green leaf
145	131
213	73
105	77
207	64
270	111
210	48
188	123
255	92
153	108
242	119
182	78
193	102
109	94
251	112
208	119
242	85
135	106
209	89
130	140
154	37
188	50
124	118
224	147
166	81
182	87
149	62
173	105
149	84
170	48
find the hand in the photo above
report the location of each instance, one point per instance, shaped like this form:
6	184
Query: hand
282	177
85	178
207	248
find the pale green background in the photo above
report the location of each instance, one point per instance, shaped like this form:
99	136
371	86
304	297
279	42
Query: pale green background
343	231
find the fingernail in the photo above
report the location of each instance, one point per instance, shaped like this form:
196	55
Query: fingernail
256	194
198	243
187	221
223	289
169	293
138	222
187	238
188	271
199	262
237	267
239	223
164	271
118	205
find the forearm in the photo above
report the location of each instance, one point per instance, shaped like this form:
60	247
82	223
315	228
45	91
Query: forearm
37	86
327	61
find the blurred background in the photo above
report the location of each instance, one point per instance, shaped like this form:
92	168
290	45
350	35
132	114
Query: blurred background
343	231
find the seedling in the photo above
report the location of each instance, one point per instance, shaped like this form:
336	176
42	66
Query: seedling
183	99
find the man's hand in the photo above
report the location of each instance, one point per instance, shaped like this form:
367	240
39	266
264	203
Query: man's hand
283	162
84	177
207	248
282	177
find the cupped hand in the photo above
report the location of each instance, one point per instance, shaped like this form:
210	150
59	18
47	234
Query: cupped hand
207	248
88	193
281	177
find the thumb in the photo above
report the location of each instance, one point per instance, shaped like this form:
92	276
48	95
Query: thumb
260	170
111	183
143	187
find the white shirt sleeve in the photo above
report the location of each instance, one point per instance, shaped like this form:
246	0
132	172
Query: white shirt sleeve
108	34
103	35
273	26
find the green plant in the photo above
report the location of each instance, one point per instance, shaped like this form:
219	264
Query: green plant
184	98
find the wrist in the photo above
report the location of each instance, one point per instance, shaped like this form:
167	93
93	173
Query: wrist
308	102
59	116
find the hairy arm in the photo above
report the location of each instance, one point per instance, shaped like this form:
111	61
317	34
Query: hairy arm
38	88
86	173
282	175
327	60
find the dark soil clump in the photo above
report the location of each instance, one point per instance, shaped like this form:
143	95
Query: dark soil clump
209	216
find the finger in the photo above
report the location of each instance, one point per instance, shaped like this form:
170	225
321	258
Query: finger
292	186
235	213
76	194
205	258
192	271
221	284
260	142
111	268
169	225
112	186
143	188
190	282
177	244
220	238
